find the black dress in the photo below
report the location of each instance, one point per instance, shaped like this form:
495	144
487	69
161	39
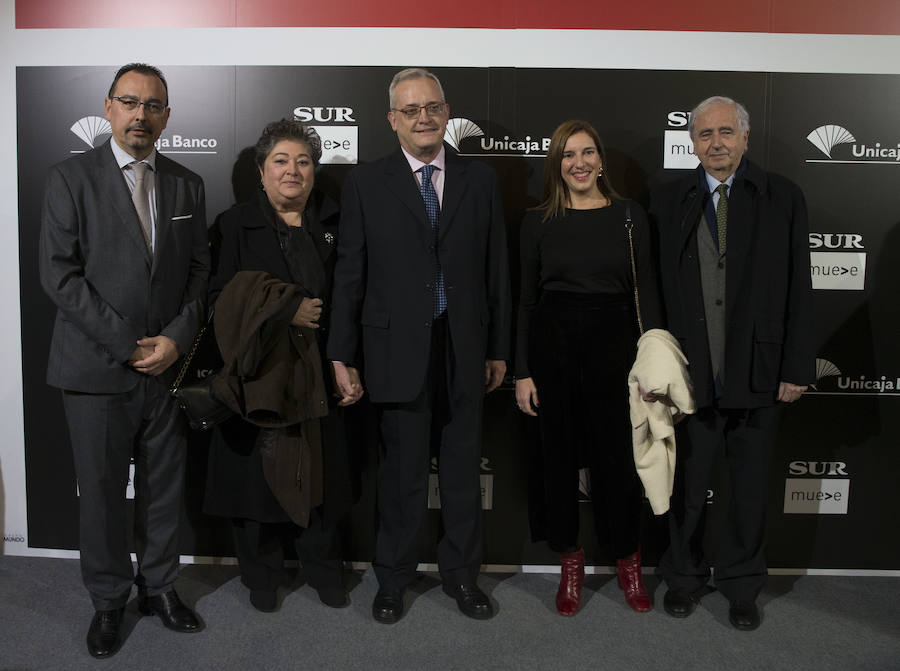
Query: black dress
249	236
576	337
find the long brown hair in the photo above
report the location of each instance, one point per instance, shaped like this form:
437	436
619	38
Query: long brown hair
556	193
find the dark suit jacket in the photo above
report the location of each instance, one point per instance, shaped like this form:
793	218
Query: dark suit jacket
95	266
768	299
385	270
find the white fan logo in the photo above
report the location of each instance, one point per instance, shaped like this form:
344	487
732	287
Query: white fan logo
90	128
824	368
459	129
826	137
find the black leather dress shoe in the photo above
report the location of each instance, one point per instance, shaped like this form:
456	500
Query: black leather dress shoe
174	614
471	600
103	635
678	603
743	615
388	606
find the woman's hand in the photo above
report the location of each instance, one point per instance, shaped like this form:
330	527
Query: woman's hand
527	396
308	313
347	384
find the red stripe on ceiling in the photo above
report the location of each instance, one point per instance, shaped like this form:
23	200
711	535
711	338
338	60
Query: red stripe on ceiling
873	17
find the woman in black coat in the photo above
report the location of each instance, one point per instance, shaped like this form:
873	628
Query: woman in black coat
289	230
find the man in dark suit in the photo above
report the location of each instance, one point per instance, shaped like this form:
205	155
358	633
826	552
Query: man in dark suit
734	261
124	256
422	273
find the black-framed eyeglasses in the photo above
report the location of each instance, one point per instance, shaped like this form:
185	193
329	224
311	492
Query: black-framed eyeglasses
412	111
130	104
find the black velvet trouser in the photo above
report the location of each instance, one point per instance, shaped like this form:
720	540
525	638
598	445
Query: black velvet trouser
581	349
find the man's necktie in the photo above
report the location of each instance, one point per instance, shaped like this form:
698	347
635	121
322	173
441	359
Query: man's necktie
433	209
722	215
141	200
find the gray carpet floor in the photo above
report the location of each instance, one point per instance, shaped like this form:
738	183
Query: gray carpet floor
809	622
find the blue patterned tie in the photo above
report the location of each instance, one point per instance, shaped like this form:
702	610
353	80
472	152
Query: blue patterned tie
433	209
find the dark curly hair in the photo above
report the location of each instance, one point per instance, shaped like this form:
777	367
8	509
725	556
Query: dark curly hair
287	129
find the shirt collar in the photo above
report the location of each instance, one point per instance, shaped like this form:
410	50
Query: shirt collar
415	164
123	158
712	183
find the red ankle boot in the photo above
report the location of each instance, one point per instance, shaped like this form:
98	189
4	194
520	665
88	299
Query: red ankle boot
629	570
571	578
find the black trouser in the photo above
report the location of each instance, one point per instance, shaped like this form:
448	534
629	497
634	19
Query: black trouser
451	418
740	563
260	552
106	431
581	349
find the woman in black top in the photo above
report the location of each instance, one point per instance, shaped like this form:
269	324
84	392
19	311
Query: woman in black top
289	231
576	337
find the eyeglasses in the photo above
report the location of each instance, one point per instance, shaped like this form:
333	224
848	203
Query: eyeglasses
412	111
130	104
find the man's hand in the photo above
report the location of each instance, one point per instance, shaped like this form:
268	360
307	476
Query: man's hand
788	393
347	384
308	313
494	370
154	354
527	396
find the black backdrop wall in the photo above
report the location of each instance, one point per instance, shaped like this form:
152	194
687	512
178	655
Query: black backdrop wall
835	135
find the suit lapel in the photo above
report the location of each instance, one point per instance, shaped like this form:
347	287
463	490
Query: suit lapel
120	199
402	183
165	204
454	188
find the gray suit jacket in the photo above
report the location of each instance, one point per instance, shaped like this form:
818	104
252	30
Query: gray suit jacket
95	267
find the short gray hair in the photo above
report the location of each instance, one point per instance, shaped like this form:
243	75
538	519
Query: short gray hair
412	73
742	114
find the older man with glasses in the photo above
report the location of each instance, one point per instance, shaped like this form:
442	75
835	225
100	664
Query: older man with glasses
422	279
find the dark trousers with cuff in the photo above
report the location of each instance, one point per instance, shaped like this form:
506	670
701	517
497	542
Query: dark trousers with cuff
260	551
451	417
106	431
740	563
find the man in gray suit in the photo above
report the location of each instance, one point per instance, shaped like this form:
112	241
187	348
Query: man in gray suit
124	256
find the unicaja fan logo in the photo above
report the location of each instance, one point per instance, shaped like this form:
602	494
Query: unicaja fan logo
824	368
459	129
829	138
826	137
89	128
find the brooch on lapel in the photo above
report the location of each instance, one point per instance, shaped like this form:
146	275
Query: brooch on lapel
329	238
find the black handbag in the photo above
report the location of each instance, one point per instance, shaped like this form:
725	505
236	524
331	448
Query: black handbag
203	410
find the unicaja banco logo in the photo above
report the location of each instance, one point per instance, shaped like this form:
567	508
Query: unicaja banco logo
459	129
829	138
89	128
826	137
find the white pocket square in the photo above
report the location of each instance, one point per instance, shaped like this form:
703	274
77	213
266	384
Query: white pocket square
183	216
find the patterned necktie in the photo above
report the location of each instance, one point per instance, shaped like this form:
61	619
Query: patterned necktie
141	200
722	215
433	209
